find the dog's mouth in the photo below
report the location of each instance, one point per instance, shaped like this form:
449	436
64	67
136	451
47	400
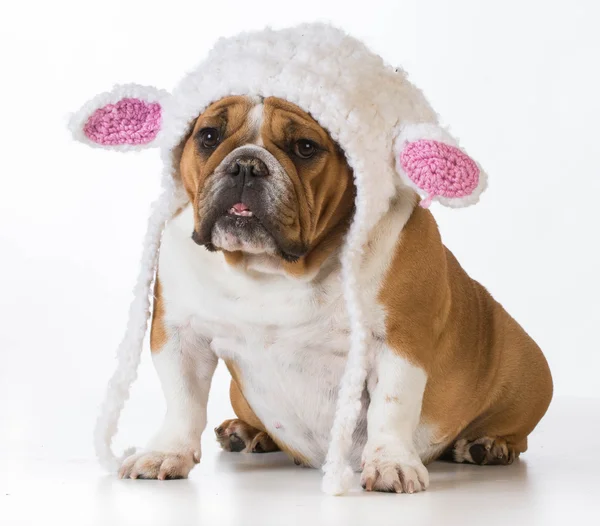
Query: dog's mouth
240	228
247	205
246	228
240	210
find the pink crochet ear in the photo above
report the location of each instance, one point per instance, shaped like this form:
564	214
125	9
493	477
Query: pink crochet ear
439	169
429	160
128	121
127	118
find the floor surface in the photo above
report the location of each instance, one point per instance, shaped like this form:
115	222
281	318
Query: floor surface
556	482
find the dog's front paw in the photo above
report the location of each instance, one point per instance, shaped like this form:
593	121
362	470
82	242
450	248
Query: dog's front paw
159	465
393	469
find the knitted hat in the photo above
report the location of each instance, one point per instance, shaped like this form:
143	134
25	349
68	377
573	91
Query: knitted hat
388	131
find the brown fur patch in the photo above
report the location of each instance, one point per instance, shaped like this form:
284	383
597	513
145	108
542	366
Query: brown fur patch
229	116
486	376
158	331
327	188
238	401
233	258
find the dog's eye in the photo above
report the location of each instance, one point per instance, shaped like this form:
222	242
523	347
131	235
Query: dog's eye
305	148
209	138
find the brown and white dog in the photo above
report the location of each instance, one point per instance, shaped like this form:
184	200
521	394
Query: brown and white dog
451	373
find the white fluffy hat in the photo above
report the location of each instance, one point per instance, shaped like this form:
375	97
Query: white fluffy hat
387	129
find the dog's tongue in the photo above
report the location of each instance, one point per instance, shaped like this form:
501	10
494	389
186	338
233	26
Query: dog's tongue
240	207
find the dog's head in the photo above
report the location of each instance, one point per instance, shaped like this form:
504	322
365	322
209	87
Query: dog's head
265	178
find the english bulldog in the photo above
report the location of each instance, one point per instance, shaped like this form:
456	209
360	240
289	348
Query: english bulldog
249	272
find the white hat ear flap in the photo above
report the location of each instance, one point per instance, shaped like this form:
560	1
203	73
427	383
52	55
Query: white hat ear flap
129	117
429	160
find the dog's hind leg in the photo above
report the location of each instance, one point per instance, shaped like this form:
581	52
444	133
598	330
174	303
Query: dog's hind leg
237	436
246	433
487	451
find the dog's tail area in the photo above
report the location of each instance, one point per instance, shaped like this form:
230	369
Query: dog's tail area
130	350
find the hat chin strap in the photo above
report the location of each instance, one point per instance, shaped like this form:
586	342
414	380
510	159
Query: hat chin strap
130	350
338	473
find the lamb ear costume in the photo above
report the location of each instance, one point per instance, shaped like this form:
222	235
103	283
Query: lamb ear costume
387	129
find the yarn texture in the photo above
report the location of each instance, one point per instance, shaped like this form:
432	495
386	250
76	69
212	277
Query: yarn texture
439	169
429	160
129	121
130	117
387	130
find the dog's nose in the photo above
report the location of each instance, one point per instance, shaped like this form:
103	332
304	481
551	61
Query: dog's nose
248	168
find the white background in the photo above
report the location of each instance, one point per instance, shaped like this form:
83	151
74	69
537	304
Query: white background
518	81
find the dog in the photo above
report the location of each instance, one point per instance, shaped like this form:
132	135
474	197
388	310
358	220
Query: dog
249	272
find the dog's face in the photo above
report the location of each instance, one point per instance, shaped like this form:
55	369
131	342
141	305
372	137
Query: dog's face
265	178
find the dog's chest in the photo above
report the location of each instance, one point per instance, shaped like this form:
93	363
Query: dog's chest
290	378
287	340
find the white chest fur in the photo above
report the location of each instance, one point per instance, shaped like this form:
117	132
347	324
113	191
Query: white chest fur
288	338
